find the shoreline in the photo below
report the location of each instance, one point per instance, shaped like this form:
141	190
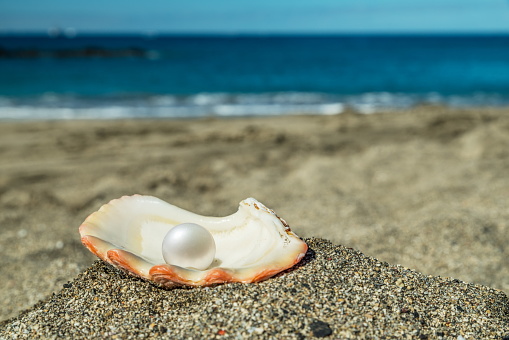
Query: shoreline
57	107
425	188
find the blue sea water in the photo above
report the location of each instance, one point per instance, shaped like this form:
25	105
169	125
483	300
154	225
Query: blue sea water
192	76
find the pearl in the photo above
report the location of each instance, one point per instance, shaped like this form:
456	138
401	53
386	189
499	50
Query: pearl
189	245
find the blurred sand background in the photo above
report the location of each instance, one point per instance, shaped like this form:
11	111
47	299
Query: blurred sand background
426	188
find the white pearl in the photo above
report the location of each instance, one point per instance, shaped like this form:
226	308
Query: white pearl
189	245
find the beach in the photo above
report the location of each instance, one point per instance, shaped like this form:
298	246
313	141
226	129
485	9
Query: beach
424	188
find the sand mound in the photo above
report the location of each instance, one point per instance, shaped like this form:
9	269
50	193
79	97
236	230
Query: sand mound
335	291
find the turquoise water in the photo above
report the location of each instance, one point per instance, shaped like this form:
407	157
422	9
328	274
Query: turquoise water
186	76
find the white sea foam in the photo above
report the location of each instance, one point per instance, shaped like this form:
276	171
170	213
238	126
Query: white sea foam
51	106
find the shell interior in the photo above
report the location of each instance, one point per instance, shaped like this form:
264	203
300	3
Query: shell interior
251	244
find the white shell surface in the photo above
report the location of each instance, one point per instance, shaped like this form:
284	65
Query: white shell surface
249	242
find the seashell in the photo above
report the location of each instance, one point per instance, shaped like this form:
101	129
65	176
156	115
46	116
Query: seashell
251	245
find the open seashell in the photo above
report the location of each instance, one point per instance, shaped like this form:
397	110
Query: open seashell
252	244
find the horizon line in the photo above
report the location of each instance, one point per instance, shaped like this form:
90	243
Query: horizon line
154	34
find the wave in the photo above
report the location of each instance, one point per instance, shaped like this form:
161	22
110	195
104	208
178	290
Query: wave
52	106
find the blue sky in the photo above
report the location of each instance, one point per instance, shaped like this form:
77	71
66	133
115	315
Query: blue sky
257	16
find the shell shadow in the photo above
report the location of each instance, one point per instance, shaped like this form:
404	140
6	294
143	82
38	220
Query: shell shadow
310	256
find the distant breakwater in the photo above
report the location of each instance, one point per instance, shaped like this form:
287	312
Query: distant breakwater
86	52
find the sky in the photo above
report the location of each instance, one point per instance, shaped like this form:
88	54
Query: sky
257	16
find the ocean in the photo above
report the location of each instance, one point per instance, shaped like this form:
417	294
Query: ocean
107	77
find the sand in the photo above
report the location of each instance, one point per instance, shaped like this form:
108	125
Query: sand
426	188
335	292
